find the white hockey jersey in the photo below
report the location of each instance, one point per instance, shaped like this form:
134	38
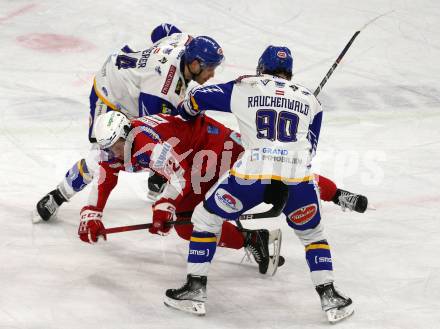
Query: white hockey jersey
144	82
279	122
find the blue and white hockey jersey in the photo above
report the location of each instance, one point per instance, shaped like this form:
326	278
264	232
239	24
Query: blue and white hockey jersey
144	82
279	122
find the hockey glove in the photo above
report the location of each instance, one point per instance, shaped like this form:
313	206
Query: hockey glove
91	226
162	213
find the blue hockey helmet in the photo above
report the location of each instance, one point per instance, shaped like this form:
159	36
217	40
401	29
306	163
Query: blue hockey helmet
276	60
205	50
162	31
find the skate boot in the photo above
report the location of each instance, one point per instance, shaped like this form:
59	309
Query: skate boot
191	297
257	243
156	185
350	201
334	303
48	206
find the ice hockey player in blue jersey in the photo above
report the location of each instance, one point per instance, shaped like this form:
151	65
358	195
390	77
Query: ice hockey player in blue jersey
138	83
280	124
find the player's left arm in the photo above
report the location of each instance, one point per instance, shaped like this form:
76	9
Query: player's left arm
315	124
200	99
158	94
150	104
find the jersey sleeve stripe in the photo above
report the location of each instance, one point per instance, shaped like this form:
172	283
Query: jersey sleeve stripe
101	97
269	176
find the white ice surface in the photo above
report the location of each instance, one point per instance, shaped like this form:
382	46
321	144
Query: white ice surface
380	137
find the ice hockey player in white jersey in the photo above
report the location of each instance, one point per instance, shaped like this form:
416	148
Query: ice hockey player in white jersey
138	83
280	123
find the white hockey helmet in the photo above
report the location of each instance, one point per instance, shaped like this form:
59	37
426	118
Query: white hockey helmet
110	127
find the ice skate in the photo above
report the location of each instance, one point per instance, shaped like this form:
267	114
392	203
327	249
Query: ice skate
191	297
350	201
336	306
257	242
47	207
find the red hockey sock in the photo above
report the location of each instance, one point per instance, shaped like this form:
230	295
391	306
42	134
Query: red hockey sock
327	188
231	237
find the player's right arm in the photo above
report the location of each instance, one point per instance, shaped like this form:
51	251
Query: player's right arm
91	225
213	98
315	124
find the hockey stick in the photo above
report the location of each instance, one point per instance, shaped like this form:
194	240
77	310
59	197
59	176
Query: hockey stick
342	54
275	211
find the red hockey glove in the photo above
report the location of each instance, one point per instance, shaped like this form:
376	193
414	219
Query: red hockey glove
91	226
162	213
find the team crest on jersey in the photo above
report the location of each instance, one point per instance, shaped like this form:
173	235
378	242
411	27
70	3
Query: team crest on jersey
227	202
305	93
281	54
279	84
163	60
168	80
303	215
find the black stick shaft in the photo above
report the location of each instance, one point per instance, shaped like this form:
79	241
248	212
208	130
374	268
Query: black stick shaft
335	64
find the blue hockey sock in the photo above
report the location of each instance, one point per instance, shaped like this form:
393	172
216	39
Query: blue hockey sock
202	248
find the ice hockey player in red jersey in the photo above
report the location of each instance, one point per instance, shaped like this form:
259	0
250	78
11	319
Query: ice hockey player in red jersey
191	156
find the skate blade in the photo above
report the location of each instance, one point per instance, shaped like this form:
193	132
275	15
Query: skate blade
335	315
35	217
275	238
189	306
371	207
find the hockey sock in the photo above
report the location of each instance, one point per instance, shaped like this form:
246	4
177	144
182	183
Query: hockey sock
202	248
319	259
231	236
327	188
76	179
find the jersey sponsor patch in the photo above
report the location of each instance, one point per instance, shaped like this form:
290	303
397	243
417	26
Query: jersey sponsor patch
168	80
294	88
161	154
152	120
178	87
303	215
212	130
227	202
